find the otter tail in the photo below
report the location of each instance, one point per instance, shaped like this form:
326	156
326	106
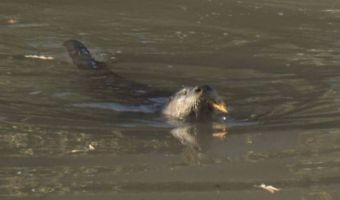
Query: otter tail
81	56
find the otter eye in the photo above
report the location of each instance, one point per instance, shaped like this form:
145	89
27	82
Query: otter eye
197	90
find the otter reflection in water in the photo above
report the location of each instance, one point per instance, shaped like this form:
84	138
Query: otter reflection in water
197	140
196	103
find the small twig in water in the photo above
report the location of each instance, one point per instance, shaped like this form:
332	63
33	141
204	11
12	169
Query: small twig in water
269	188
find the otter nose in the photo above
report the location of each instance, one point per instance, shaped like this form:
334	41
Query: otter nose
206	88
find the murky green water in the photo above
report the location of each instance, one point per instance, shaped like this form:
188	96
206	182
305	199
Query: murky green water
275	62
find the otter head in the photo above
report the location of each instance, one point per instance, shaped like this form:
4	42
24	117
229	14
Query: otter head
191	103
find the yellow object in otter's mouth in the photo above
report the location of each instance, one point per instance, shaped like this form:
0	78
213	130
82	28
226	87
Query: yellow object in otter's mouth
219	106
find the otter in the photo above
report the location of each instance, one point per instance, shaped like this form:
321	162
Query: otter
189	103
198	102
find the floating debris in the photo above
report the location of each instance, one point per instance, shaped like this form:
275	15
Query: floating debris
41	57
91	147
220	135
35	92
8	21
77	151
332	11
269	188
12	21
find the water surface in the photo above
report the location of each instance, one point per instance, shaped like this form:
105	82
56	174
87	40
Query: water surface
276	63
